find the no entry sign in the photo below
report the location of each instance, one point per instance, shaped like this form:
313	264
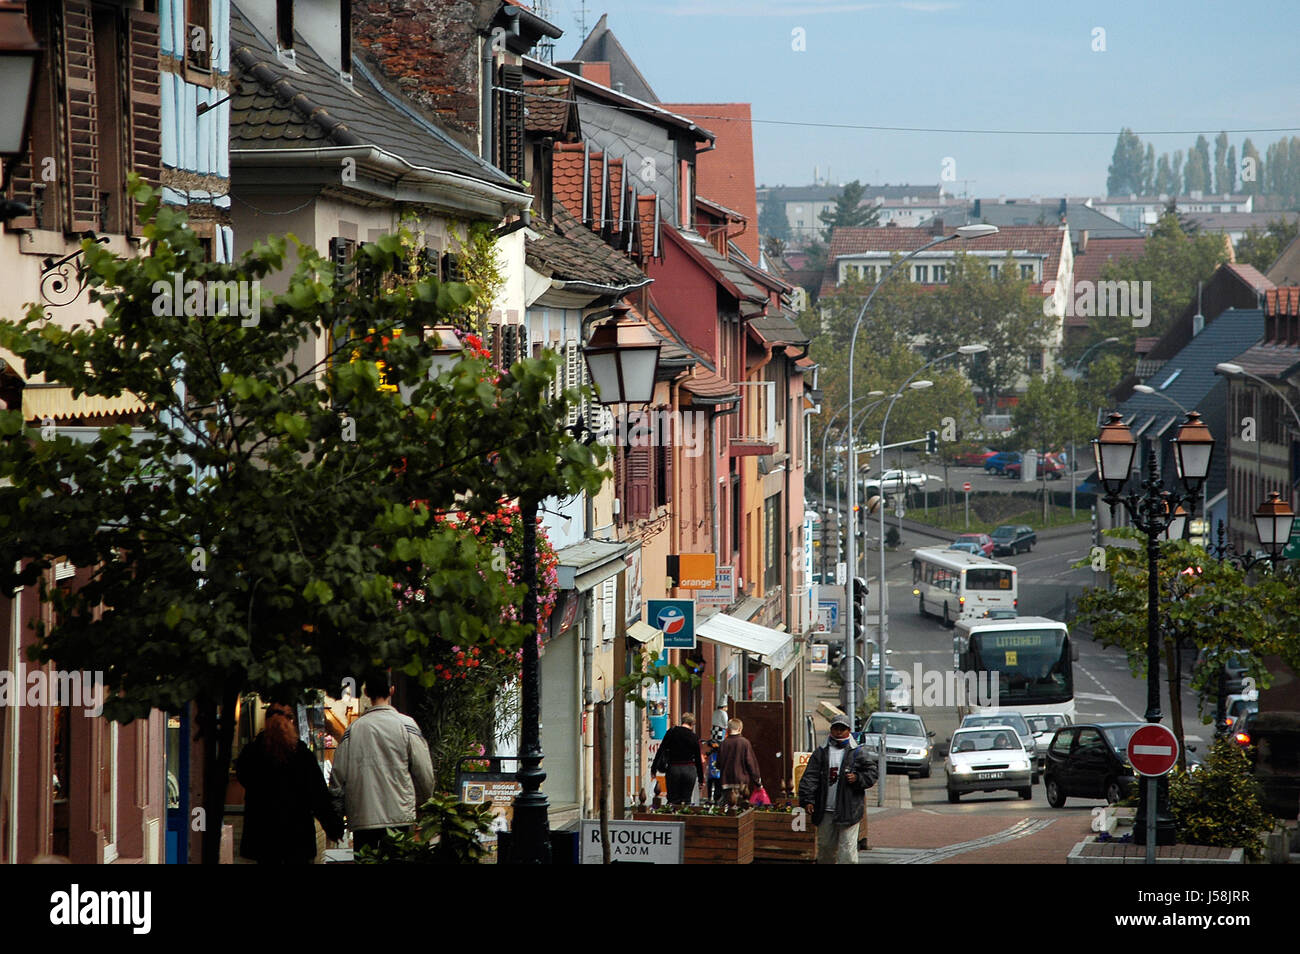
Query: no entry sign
966	486
1153	750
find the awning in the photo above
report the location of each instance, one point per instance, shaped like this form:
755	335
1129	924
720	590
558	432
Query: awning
585	565
773	647
42	401
649	637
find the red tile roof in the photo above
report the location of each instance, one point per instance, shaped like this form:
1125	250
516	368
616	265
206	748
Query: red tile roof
1282	301
645	213
726	173
1249	275
1089	263
551	107
566	176
595	185
614	213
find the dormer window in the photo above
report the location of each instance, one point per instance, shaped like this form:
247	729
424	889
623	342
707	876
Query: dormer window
198	35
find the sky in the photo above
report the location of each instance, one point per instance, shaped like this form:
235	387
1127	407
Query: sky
967	69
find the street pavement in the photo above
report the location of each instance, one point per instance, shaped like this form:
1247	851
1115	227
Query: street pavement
918	825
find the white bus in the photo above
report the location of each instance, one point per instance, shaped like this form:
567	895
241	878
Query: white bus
1030	658
957	585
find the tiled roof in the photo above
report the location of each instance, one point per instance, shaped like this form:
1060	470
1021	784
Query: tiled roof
595	186
566	176
726	173
1282	301
274	107
1089	262
568	250
1037	240
1081	218
1270	360
730	273
706	384
1286	270
550	108
776	328
1249	275
1237	221
614	215
646	206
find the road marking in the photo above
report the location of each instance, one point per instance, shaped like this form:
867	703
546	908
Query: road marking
1021	829
1112	699
1095	697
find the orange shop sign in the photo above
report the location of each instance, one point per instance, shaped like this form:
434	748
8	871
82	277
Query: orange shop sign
695	571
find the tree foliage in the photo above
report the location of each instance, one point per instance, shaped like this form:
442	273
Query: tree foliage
849	211
1261	248
1219	805
1052	412
1125	174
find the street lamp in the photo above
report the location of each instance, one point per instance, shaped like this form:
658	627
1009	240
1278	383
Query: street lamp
1273	522
447	352
1153	513
623	357
20	56
965	232
825	434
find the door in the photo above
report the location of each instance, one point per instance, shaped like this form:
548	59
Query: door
1089	765
765	729
178	788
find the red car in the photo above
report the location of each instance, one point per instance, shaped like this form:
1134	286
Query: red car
981	540
972	458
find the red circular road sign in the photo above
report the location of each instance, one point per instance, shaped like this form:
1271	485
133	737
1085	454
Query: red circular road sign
1153	750
966	486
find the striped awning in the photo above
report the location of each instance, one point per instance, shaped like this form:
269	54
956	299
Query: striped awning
46	401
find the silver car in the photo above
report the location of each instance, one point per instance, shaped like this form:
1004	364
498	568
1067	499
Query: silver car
988	759
1017	722
907	742
1044	726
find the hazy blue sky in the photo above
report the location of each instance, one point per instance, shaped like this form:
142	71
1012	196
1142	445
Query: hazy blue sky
1179	66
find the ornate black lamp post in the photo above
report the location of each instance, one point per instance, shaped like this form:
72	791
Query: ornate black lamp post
1154	512
623	357
20	56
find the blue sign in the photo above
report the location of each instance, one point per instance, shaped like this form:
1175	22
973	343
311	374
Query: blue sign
676	619
834	607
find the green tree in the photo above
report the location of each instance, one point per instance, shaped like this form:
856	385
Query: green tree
1053	411
1178	173
1125	174
1165	182
1262	248
1148	170
1252	169
849	211
1196	175
1220	805
1204	603
261	528
1222	175
772	222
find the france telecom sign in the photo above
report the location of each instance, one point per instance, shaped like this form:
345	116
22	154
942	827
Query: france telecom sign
676	619
1153	750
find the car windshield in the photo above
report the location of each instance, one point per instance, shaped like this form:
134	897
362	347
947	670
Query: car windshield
894	725
1003	532
1118	735
1045	723
985	740
1015	720
892	679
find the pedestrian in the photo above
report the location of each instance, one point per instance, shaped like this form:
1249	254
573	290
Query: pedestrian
284	794
679	752
382	769
740	771
712	770
831	792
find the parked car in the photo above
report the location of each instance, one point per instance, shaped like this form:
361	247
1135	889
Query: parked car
1234	661
1241	729
981	540
1013	719
966	546
907	741
997	464
987	759
896	481
1090	761
972	457
1047	466
1010	538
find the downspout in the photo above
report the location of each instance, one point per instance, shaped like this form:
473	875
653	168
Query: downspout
487	80
588	700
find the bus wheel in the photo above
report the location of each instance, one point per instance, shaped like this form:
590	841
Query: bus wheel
947	617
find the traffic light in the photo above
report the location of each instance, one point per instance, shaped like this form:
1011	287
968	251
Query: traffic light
932	442
859	609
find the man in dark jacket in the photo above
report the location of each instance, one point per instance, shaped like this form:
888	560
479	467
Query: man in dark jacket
679	754
831	792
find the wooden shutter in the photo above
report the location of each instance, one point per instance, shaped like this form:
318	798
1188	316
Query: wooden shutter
25	171
573	379
80	121
640	482
666	491
145	100
510	122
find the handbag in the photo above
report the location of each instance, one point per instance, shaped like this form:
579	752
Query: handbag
759	797
660	764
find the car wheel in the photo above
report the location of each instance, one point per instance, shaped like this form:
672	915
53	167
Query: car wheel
947	617
1113	794
954	797
1055	797
925	772
1026	793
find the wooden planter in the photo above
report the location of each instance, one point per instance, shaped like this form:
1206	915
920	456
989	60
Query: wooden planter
714	839
776	840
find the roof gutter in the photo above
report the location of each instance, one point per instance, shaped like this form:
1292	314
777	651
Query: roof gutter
451	187
591	288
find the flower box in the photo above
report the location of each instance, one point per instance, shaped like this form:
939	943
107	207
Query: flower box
776	839
713	839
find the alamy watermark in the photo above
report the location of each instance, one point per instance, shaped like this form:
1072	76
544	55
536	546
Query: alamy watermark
39	688
949	689
1089	299
659	428
194	299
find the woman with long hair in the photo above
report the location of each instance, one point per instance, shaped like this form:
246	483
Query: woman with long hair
285	791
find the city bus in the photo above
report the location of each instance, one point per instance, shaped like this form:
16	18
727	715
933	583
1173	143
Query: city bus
956	585
1021	664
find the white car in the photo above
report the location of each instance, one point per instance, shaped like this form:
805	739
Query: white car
895	481
1044	726
988	759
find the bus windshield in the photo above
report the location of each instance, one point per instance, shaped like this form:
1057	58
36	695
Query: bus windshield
1033	665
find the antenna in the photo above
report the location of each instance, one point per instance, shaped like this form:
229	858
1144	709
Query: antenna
545	47
582	19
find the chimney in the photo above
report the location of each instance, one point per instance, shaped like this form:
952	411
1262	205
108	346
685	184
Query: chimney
936	226
1083	242
1062	209
975	213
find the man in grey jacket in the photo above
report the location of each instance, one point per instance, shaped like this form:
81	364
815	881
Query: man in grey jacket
381	767
837	776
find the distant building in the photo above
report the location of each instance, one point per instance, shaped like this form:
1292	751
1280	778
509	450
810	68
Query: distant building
902	205
1140	212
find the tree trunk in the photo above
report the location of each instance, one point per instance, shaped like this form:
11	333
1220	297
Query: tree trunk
1172	661
218	732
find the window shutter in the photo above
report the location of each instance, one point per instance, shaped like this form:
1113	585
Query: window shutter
144	98
666	491
80	121
640	477
620	482
573	379
510	122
